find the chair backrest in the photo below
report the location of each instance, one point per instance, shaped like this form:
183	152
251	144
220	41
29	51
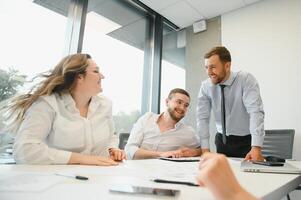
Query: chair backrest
279	143
123	139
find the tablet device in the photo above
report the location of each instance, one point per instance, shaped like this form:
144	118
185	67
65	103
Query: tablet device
268	163
130	189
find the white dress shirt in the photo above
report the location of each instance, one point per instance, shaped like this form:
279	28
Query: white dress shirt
243	104
146	135
52	129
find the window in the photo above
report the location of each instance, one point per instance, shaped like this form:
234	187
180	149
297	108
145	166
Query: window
32	37
32	42
114	36
173	62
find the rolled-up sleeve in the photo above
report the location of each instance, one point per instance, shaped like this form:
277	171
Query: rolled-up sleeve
254	107
203	117
30	146
135	138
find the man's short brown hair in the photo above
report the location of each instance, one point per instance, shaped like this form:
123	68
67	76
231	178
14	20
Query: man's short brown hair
177	90
222	52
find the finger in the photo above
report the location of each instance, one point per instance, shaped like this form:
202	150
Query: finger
199	179
206	158
207	155
200	182
123	155
116	156
248	157
119	155
203	164
115	152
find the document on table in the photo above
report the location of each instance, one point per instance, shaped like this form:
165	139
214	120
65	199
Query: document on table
178	171
29	182
182	159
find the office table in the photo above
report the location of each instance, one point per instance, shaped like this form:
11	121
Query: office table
139	172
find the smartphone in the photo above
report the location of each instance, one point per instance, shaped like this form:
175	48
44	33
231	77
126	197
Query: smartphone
267	163
125	188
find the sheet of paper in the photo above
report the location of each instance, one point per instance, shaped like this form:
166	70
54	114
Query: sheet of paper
148	169
29	182
182	159
178	171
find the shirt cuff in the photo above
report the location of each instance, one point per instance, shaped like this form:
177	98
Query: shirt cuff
257	141
130	152
60	157
114	142
113	146
205	144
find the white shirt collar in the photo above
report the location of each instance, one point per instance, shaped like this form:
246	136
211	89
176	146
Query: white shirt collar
177	125
70	103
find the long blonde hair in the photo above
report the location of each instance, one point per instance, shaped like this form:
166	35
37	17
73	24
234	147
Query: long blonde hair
59	80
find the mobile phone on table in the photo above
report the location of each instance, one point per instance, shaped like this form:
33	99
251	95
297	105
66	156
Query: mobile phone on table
267	163
126	188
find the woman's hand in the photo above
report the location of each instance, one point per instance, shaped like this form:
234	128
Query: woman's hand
117	154
77	158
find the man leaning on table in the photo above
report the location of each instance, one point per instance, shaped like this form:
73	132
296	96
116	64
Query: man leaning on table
235	100
164	135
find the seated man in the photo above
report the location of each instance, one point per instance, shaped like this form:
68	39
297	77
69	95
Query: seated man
163	135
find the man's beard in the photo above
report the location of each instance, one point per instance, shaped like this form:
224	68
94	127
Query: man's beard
173	115
219	78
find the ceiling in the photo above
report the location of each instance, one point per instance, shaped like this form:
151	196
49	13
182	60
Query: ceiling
184	13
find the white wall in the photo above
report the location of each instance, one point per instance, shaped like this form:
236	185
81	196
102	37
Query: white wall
197	44
265	39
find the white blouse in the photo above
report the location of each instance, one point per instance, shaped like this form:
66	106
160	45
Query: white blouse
52	129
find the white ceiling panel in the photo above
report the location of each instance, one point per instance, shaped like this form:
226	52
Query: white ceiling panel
250	1
159	4
213	8
181	14
184	13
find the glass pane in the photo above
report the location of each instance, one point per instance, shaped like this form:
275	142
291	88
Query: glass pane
115	36
173	62
32	41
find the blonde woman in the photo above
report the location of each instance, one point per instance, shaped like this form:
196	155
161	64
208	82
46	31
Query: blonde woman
64	120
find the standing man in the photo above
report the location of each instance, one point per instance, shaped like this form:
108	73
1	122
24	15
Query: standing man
235	100
163	135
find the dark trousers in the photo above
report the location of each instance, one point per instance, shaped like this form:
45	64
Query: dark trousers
236	146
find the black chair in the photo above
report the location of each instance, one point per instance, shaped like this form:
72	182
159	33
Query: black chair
279	143
123	139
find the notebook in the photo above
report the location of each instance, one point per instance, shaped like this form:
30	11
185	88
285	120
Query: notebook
285	169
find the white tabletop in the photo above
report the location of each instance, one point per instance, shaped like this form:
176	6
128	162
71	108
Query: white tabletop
139	173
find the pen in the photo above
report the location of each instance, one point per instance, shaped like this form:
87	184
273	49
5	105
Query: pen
174	182
73	176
